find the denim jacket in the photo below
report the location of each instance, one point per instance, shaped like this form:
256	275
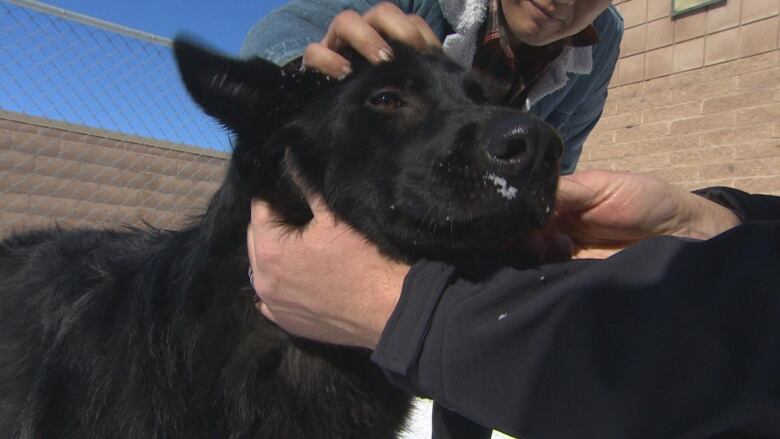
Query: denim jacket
573	110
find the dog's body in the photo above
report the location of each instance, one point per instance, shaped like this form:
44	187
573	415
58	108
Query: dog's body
154	334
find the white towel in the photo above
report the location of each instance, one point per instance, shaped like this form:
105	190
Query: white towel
466	17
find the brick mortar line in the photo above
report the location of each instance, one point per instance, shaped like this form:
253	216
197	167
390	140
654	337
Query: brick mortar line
677	43
702	68
110	135
613	87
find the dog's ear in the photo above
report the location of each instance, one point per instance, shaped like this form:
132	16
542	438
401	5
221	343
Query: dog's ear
252	94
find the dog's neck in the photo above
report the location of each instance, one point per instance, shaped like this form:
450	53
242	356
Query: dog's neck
216	241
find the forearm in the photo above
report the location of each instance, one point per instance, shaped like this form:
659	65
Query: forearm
704	219
711	211
667	337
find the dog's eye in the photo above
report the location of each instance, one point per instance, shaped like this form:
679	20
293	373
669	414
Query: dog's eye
387	100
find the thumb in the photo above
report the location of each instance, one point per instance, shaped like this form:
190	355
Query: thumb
263	308
262	214
317	204
572	196
579	191
320	210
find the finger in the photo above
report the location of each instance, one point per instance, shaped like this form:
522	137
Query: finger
319	57
263	308
532	245
559	248
425	30
261	214
250	247
318	206
348	29
393	23
574	196
265	242
257	274
586	189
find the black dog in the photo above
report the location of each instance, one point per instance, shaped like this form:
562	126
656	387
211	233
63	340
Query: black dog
154	334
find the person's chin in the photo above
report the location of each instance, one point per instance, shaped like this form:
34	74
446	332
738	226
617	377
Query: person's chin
537	38
533	33
537	41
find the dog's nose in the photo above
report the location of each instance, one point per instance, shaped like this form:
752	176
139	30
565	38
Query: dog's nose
523	139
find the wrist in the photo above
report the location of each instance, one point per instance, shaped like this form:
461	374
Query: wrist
385	298
704	219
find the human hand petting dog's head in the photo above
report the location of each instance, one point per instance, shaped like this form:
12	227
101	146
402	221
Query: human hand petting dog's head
367	34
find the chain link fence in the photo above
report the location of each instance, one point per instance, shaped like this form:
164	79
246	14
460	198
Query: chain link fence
95	125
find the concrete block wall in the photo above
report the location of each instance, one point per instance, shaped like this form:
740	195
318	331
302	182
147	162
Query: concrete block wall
695	99
53	172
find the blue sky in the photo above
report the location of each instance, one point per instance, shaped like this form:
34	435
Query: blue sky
222	24
63	70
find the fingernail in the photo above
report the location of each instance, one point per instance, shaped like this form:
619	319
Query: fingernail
345	71
385	54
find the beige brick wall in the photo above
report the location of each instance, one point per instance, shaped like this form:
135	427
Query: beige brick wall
53	172
695	100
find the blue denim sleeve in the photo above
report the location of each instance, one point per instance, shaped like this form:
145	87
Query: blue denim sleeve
576	108
282	35
588	113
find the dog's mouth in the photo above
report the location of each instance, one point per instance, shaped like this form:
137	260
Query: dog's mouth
471	190
478	192
478	209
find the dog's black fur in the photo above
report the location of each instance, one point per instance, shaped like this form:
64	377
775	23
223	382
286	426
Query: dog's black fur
154	334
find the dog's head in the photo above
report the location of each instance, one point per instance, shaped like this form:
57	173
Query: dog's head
408	152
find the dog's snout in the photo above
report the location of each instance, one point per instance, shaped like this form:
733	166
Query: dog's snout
521	139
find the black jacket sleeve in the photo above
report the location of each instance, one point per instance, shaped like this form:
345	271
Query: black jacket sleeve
668	338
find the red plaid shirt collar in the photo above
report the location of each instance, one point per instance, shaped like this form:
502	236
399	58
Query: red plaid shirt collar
509	73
